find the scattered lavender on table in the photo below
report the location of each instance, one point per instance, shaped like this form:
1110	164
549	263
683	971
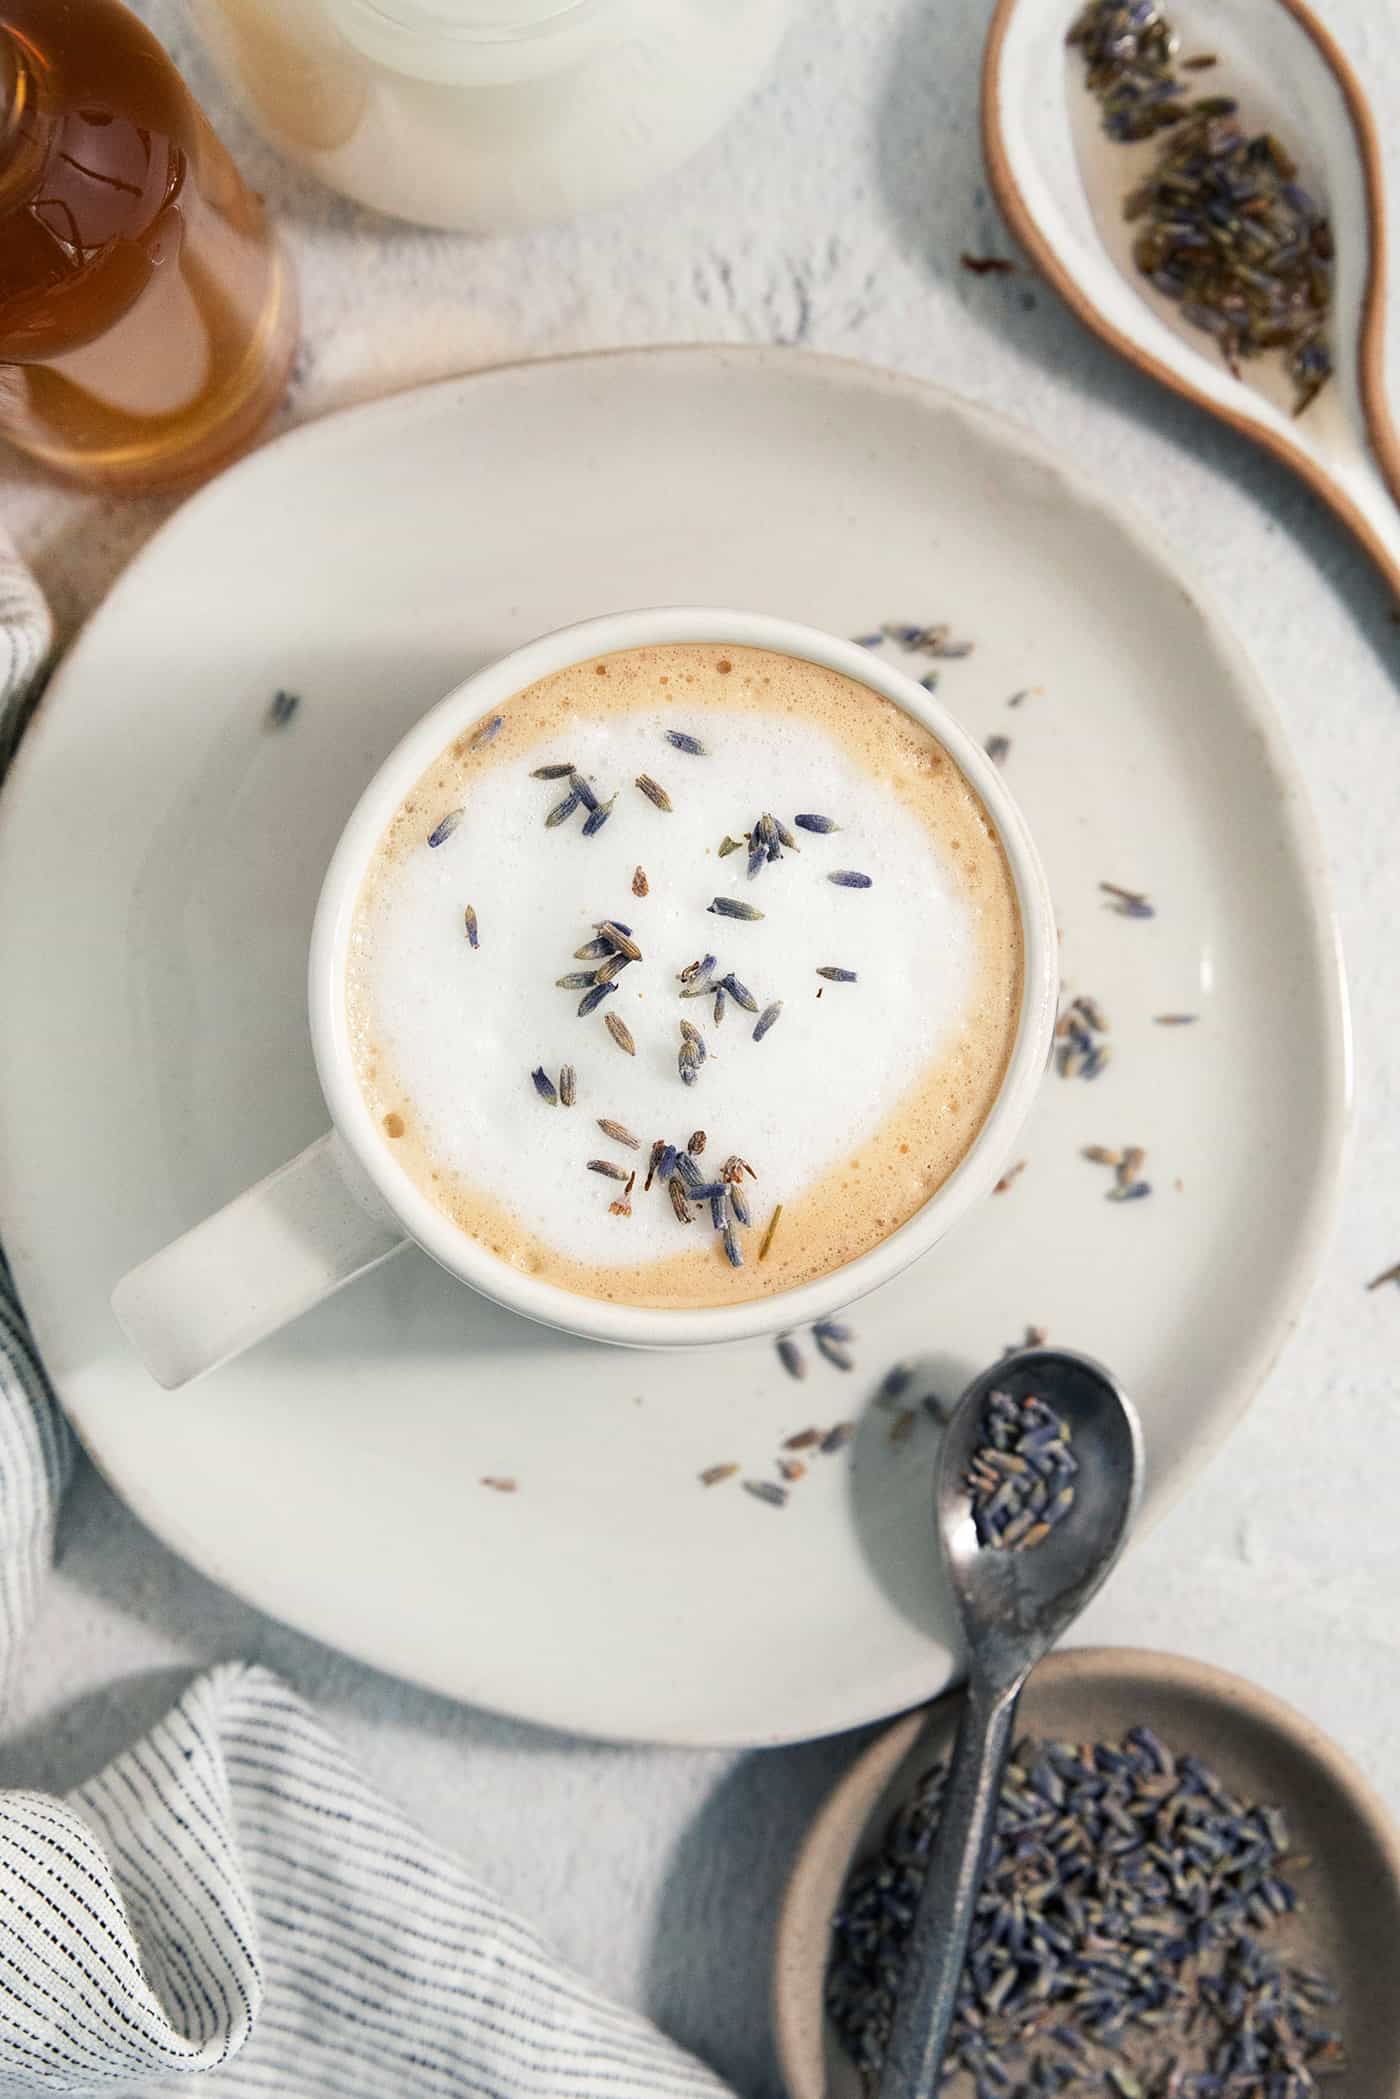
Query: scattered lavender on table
1011	1175
869	641
1125	1905
1176	1020
998	749
894	1384
444	827
281	709
1021	1476
473	930
713	1474
836	1438
1387	1275
500	1486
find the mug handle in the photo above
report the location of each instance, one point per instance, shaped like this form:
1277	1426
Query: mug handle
261	1261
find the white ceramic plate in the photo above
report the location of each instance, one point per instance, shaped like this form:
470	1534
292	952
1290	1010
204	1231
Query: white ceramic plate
160	853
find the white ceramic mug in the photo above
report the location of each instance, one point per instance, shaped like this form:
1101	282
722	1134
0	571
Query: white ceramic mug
345	1203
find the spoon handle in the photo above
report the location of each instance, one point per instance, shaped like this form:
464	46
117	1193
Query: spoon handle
937	1945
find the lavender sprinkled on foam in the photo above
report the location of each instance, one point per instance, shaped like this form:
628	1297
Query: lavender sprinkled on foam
849	878
444	827
619	1133
683	742
473	929
486	733
820	824
620	1032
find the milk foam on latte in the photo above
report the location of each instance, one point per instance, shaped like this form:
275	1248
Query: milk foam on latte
845	1044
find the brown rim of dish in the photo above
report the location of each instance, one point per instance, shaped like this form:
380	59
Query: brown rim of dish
1370	347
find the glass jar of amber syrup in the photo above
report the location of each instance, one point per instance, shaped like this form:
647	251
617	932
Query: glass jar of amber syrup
147	313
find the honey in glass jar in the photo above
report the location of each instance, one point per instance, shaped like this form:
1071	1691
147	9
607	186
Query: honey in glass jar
147	313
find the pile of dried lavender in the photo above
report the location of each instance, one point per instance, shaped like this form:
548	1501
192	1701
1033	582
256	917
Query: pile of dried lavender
1021	1479
1125	1902
1230	234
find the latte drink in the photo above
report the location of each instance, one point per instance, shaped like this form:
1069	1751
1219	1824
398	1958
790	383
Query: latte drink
687	976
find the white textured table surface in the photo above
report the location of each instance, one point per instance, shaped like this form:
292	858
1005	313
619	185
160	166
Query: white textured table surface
832	214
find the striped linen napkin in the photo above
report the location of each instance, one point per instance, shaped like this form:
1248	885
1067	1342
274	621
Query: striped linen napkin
229	1897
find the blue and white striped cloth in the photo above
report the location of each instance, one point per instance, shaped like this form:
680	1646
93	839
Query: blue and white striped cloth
229	1898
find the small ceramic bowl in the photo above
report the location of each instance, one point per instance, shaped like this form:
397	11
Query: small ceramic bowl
1348	1924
